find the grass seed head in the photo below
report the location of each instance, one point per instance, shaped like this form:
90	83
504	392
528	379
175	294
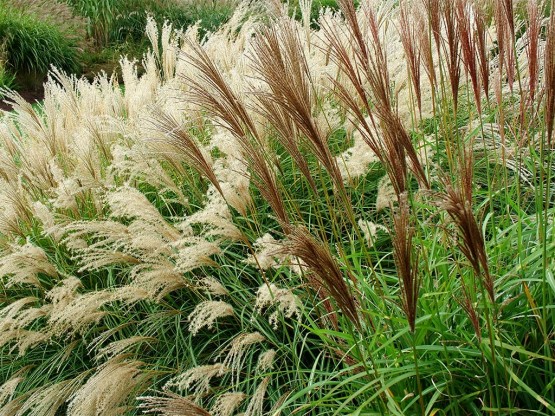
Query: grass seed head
226	403
206	313
171	404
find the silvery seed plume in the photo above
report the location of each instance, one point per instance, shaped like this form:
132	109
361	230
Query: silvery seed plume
237	350
7	389
108	390
197	379
206	313
171	404
256	402
48	401
283	299
227	403
23	264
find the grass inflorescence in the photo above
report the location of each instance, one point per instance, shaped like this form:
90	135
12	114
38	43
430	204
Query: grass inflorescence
348	216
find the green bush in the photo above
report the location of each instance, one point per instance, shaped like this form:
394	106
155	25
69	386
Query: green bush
316	8
132	23
7	78
32	45
124	20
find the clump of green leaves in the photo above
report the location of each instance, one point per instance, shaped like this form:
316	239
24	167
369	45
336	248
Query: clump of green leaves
124	20
7	78
34	45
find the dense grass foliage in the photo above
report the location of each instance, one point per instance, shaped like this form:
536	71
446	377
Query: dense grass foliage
124	20
7	77
316	7
349	217
31	43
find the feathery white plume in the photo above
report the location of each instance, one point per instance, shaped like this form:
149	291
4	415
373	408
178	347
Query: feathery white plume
206	313
283	299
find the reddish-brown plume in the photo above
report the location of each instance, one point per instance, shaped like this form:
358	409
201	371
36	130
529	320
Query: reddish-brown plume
368	68
549	71
457	201
405	260
321	263
287	133
408	31
467	39
468	306
504	18
280	60
453	48
178	136
426	49
481	48
433	9
532	46
213	92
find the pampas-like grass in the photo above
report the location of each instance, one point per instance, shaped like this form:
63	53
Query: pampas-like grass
47	401
215	217
206	313
12	407
75	314
128	202
14	320
177	135
256	402
237	350
7	389
23	264
107	390
238	178
232	170
227	403
137	163
370	231
211	286
197	379
266	252
213	92
266	360
171	405
119	347
354	162
283	299
15	212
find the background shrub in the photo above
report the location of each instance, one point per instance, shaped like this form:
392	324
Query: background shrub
7	78
316	7
124	20
33	45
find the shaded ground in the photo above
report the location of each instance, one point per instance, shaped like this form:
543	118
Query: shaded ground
30	95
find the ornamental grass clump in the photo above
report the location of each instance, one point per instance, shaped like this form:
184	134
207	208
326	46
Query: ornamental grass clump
352	215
